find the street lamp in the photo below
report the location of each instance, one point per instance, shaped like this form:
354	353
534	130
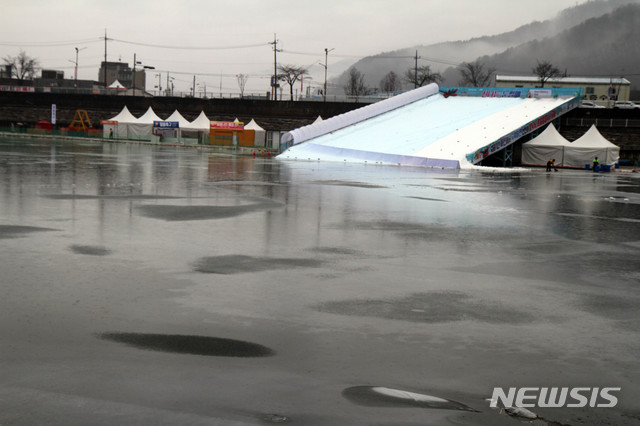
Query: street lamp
75	73
326	56
144	67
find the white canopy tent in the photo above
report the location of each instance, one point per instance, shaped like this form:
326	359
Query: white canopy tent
201	122
176	116
120	128
198	129
142	128
116	85
547	145
172	134
592	144
260	133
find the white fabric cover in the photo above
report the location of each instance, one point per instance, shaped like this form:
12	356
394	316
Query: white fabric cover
260	133
124	116
436	131
120	130
201	123
116	85
176	116
337	122
591	144
143	127
547	145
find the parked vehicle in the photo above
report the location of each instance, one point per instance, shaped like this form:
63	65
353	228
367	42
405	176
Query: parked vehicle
626	105
586	104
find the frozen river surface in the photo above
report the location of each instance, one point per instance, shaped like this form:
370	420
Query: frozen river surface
152	285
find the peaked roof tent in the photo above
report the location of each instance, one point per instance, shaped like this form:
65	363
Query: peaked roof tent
116	85
592	138
591	144
124	116
547	145
148	117
549	137
202	122
176	116
253	126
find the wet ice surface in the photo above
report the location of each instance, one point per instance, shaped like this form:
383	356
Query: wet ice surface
117	260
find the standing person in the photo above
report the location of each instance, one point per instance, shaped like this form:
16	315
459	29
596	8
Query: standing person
551	163
595	163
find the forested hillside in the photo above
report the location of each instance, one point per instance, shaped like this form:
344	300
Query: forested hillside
592	39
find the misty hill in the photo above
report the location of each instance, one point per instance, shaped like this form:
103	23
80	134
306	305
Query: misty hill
605	46
441	57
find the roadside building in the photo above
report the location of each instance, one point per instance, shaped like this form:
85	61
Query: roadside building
122	72
598	89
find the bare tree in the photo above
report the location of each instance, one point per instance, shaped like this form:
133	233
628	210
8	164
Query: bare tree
421	76
545	71
242	82
390	83
355	84
290	74
23	67
475	74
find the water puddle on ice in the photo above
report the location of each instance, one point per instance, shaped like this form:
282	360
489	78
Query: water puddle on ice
90	250
193	345
379	396
14	231
238	264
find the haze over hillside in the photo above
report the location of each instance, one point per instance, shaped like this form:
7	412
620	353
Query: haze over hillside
597	38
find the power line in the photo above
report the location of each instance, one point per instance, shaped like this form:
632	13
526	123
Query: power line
160	46
52	43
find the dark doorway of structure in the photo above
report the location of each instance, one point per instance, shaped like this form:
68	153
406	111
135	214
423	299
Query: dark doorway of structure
505	157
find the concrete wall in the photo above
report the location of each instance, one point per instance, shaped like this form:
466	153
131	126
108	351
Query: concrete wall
282	115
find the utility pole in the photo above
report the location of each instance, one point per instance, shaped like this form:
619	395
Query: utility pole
134	74
326	56
75	72
105	58
194	86
274	83
415	73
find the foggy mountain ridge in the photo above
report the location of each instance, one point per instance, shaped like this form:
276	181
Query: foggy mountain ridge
444	57
606	46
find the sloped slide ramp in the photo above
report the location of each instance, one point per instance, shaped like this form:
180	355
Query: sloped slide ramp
426	128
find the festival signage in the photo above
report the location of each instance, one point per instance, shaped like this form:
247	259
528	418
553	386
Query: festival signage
480	154
509	92
109	122
229	125
27	89
166	124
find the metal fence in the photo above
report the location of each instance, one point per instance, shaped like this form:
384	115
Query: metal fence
602	122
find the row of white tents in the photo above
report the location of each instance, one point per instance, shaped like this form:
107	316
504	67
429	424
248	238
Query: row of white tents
552	145
126	126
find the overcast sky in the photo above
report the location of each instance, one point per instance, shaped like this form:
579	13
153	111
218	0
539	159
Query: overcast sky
170	35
